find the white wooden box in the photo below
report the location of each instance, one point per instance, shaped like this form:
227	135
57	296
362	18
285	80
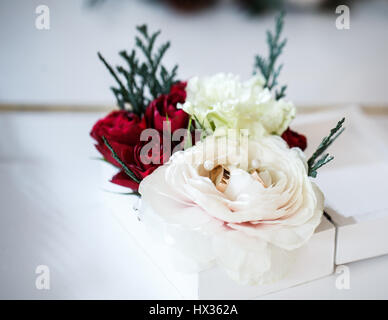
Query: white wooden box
359	239
355	183
313	261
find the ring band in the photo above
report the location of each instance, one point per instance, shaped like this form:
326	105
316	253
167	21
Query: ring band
220	176
255	175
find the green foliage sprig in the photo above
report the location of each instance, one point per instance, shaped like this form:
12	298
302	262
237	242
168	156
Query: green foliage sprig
144	81
267	66
122	164
314	163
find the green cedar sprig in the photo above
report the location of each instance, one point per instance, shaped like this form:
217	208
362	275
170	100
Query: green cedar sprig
314	163
201	125
133	193
122	164
267	66
144	81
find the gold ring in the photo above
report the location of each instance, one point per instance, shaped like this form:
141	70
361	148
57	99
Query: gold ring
255	175
220	176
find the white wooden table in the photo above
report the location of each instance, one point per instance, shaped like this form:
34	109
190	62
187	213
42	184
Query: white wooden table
51	215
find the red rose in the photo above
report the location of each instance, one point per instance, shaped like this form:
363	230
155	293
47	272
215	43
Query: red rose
122	130
131	156
294	139
166	104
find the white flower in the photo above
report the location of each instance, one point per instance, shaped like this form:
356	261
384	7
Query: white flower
225	101
250	229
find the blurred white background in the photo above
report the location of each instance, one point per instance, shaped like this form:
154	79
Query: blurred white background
323	65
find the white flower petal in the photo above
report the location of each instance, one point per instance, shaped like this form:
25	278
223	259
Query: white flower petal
245	259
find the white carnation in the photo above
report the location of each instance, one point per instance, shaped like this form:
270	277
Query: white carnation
227	102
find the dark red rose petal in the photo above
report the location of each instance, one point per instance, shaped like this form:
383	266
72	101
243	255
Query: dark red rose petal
123	180
294	139
164	108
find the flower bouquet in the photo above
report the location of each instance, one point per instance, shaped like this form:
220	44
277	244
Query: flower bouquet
223	180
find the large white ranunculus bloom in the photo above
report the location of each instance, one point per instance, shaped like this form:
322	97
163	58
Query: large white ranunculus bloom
268	208
226	102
